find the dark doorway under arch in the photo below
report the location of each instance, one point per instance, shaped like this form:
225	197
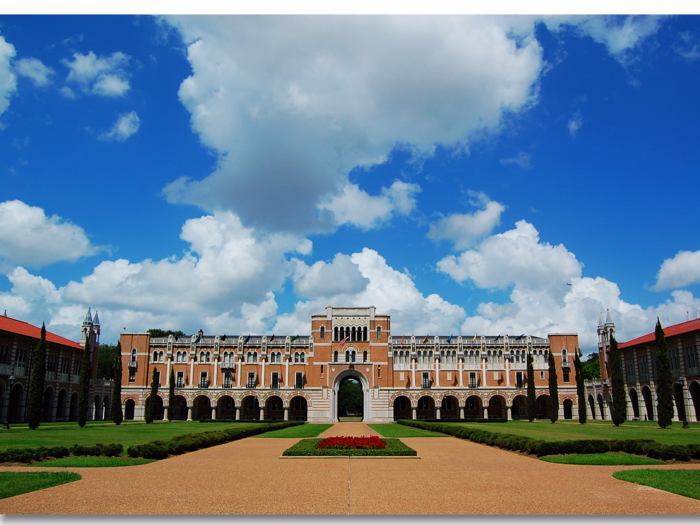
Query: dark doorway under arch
350	400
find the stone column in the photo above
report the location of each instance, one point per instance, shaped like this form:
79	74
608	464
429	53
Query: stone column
238	411
413	412
216	365
510	413
165	414
437	412
507	361
169	360
413	374
485	409
437	372
262	413
189	413
262	379
461	412
483	371
286	413
460	365
286	372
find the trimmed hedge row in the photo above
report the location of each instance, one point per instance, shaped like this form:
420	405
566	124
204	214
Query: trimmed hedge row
538	447
472	420
29	455
189	442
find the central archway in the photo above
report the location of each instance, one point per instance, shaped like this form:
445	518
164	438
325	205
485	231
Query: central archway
364	384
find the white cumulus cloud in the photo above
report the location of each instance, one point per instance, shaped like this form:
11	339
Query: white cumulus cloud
104	75
522	159
125	126
464	229
323	279
574	123
8	80
29	238
35	70
679	271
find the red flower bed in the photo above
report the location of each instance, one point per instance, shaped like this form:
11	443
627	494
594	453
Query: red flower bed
343	442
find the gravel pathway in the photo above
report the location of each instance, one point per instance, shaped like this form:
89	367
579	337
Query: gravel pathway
247	477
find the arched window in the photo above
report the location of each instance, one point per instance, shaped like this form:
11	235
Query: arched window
178	357
342	333
352	356
208	357
249	357
364	334
155	356
296	357
335	356
335	331
279	357
201	357
255	357
347	356
133	354
302	357
323	332
353	334
273	357
379	332
364	356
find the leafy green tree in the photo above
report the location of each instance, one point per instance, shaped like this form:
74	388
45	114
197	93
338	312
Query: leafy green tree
350	397
531	397
117	414
36	383
157	332
171	394
107	361
591	367
665	379
84	392
553	390
151	400
580	388
619	410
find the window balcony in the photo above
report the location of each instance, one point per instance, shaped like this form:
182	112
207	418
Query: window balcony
132	364
250	384
180	384
227	365
204	383
565	363
227	384
275	385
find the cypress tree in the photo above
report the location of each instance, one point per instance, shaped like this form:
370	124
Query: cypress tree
664	396
36	384
553	390
531	398
619	411
151	400
117	414
580	389
171	394
84	392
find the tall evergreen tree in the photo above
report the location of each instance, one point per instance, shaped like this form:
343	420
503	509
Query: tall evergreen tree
531	397
619	410
171	394
580	389
151	400
84	386
664	396
36	384
117	414
553	390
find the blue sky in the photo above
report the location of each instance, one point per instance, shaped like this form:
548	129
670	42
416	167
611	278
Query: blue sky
238	174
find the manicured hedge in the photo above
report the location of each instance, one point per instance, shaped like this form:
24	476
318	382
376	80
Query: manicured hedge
29	455
457	420
189	442
307	447
640	447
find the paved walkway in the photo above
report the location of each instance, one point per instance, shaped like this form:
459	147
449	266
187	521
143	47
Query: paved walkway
247	477
349	429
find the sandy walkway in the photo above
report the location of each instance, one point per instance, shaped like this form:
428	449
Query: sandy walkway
454	477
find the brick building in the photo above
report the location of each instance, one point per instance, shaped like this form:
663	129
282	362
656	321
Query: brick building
63	365
640	372
298	377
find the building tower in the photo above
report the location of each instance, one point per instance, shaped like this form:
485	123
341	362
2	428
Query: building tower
90	331
606	331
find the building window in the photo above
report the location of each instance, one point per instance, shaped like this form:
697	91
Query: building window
519	380
275	380
364	356
675	362
227	379
335	356
251	380
566	376
302	357
379	332
352	356
335	334
78	366
643	368
691	359
629	368
321	370
296	357
299	380
203	382
180	381
426	380
472	379
379	372
323	332
133	354
132	376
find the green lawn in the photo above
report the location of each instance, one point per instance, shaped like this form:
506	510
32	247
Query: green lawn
83	462
609	458
561	430
301	431
307	447
128	433
683	482
394	430
16	483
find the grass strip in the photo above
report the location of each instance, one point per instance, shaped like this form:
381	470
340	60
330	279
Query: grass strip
394	430
307	447
92	462
607	458
682	482
16	483
302	431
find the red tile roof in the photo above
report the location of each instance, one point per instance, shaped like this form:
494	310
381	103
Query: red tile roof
676	329
14	326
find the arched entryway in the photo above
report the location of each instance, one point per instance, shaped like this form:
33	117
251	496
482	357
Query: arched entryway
497	407
542	407
62	406
73	414
201	408
16	408
519	410
591	404
601	406
449	408
365	413
129	409
274	408
107	408
426	408
178	408
298	409
47	407
98	408
694	390
648	403
678	398
634	401
473	408
158	409
568	409
402	408
226	408
350	399
250	408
